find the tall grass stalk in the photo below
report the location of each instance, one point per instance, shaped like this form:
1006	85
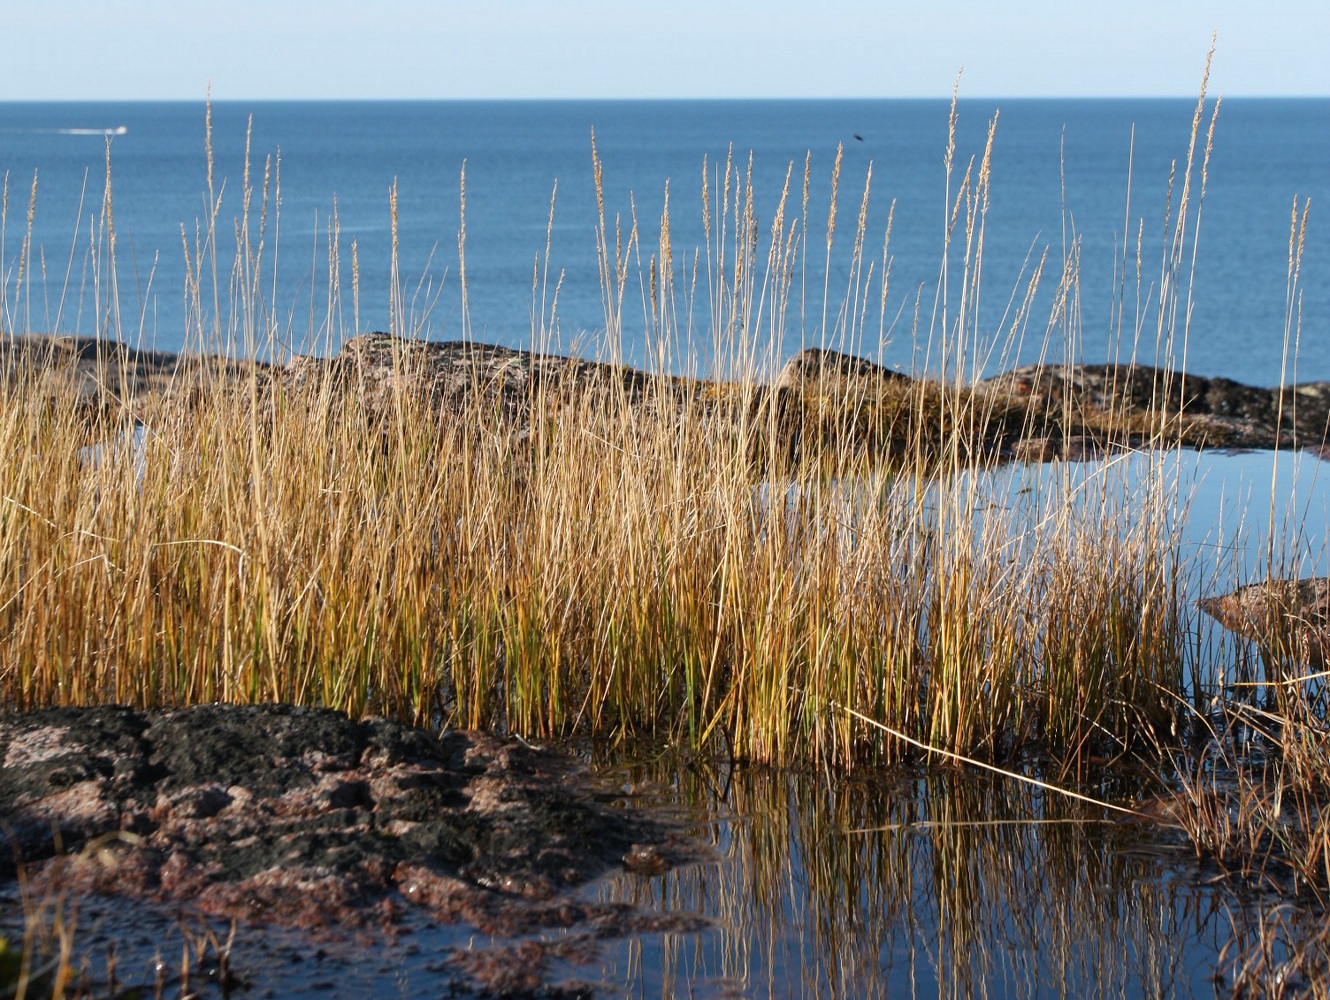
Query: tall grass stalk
601	564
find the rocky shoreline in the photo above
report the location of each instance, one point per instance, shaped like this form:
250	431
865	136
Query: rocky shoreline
1030	413
305	819
302	818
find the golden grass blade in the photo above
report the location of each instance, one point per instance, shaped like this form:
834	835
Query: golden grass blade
962	759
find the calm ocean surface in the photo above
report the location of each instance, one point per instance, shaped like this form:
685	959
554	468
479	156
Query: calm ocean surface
1061	170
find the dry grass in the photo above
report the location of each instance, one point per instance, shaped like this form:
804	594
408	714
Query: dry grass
606	568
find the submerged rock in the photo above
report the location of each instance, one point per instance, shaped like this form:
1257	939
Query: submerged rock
304	818
1288	619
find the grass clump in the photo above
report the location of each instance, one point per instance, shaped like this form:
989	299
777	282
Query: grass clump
597	565
696	559
598	551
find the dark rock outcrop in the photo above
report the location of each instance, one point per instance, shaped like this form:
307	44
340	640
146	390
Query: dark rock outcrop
305	818
1031	413
98	373
1219	412
455	376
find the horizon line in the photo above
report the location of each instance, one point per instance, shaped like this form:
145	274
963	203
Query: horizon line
546	99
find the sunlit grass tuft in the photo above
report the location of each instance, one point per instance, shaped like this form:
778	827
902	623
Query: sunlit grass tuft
700	560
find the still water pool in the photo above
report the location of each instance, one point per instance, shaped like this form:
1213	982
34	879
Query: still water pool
914	883
919	881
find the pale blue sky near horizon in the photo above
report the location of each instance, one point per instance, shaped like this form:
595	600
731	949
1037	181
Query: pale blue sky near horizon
444	49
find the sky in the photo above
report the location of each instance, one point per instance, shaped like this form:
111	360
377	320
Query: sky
443	49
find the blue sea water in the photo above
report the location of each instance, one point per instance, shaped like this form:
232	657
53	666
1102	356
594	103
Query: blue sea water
1083	176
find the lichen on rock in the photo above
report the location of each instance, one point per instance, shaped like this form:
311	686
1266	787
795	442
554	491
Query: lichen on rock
305	818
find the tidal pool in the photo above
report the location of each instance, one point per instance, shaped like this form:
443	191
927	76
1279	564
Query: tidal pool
916	882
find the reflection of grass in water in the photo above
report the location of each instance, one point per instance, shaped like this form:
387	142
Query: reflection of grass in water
1284	951
960	884
46	960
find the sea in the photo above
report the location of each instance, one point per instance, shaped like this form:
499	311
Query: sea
493	208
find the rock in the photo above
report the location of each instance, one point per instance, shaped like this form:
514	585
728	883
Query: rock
1214	412
1034	450
1077	448
451	376
105	377
1288	619
832	372
304	818
820	397
1076	412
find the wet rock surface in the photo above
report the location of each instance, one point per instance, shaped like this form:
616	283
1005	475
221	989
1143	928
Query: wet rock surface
307	820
